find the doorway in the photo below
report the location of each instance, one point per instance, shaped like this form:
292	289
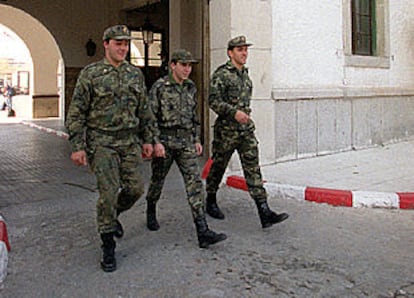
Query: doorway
174	25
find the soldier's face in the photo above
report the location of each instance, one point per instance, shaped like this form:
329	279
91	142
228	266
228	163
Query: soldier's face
116	51
238	56
181	71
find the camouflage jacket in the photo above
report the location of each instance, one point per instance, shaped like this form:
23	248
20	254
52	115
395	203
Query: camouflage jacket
110	101
230	90
175	105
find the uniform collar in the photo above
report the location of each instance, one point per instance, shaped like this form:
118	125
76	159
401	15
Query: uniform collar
172	81
230	66
106	62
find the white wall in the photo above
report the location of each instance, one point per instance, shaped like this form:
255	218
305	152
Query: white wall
307	44
308	47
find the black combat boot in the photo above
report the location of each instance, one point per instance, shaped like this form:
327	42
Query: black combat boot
212	208
267	216
119	232
152	223
108	263
205	235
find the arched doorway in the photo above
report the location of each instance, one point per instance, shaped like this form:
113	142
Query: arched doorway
45	81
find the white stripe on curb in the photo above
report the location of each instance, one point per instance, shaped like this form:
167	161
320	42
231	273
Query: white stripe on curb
286	191
375	199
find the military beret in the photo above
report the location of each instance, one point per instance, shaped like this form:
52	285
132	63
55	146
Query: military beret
238	41
183	56
118	32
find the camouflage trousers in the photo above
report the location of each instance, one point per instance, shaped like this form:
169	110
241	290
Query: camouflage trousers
225	142
186	160
119	181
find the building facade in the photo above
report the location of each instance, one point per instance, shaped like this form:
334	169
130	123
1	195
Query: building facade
315	91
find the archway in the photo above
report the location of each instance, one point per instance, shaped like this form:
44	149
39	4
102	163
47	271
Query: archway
47	74
16	67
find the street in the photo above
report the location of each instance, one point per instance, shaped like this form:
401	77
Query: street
320	251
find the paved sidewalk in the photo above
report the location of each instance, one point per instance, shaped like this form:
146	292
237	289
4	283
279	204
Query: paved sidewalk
387	168
374	177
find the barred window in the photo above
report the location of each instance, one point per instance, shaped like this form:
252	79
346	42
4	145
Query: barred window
138	50
363	27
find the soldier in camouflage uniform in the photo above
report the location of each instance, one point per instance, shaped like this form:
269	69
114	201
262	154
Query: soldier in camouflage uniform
174	103
108	119
229	98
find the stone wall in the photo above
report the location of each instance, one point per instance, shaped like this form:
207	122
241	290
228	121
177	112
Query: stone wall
45	106
360	119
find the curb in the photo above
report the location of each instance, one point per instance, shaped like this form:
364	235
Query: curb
3	234
4	249
48	130
334	197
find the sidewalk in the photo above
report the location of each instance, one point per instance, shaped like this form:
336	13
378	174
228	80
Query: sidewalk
374	177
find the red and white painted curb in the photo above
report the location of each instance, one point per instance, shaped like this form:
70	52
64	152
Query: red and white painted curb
3	234
48	130
4	249
334	197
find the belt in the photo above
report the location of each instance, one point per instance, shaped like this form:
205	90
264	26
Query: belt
176	132
118	133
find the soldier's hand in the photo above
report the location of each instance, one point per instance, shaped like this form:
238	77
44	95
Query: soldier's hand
79	158
241	117
147	150
159	150
199	148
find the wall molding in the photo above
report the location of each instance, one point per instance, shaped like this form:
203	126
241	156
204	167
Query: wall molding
292	94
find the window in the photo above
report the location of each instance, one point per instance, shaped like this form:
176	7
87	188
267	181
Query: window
138	50
366	33
363	27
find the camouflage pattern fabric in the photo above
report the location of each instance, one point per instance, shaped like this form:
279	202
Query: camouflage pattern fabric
116	168
186	160
109	117
231	90
175	107
111	101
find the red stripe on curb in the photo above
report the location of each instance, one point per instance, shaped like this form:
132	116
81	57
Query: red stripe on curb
206	168
330	196
237	182
3	235
406	200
